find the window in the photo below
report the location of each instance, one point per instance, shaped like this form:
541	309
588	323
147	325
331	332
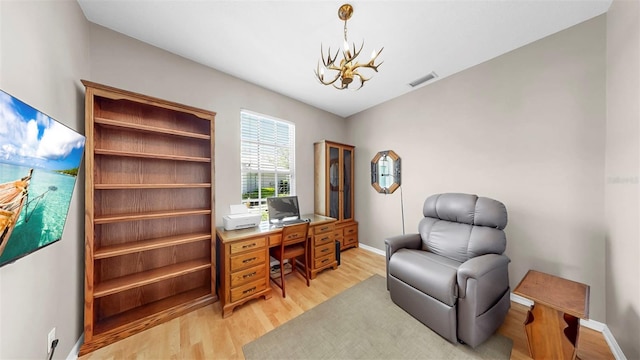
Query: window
267	152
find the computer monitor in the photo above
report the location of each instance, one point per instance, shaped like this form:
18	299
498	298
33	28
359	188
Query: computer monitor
283	208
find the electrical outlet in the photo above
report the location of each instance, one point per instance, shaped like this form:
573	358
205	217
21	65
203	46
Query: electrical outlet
50	338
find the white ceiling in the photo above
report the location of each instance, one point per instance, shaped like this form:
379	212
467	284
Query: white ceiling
276	44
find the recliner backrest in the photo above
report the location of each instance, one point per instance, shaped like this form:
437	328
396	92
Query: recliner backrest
463	226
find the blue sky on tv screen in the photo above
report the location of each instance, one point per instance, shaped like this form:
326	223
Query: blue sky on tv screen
31	138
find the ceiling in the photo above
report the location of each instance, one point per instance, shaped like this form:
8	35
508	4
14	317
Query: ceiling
276	44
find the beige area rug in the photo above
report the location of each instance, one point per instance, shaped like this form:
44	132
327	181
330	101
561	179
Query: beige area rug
363	323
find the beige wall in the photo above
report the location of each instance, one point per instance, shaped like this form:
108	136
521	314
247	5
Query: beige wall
43	54
526	128
622	165
126	63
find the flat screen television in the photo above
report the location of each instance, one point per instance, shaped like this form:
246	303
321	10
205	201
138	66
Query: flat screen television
282	208
39	162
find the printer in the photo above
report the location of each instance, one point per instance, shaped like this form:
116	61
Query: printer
240	218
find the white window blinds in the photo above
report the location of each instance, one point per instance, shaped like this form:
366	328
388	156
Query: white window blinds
267	151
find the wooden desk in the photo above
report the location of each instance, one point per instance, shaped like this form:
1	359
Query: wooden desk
243	259
553	323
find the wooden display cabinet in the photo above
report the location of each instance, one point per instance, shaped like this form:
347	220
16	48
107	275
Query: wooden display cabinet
334	183
149	200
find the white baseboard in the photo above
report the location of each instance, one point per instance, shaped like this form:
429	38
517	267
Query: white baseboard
593	325
521	300
73	354
613	344
372	249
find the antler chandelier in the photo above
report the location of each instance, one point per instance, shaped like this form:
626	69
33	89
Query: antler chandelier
348	68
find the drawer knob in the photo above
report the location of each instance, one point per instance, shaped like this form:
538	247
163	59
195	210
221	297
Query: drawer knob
249	290
324	228
324	250
249	260
249	245
249	275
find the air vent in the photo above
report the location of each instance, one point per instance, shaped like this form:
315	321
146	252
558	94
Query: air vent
424	79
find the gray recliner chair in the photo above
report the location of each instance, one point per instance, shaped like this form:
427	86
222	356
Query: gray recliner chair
452	275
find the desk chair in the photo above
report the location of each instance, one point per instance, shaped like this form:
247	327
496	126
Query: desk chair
293	245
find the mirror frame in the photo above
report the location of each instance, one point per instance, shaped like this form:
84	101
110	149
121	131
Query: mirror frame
375	177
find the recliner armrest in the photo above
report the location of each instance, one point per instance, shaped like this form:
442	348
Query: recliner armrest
479	267
408	241
395	243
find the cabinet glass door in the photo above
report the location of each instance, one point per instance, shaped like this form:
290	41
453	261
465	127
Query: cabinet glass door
334	182
347	196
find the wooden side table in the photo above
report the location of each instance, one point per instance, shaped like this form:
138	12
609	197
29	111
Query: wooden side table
553	323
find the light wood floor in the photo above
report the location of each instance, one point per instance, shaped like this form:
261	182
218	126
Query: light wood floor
204	334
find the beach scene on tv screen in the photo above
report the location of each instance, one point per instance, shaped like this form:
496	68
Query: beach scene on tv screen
39	162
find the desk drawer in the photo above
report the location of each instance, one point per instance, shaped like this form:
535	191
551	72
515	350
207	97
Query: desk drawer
350	230
245	276
325	260
275	240
251	244
350	240
247	260
324	250
321	229
243	291
323	239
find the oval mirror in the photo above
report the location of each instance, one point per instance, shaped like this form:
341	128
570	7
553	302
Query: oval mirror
385	172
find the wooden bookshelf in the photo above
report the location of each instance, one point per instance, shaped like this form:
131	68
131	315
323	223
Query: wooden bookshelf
149	219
